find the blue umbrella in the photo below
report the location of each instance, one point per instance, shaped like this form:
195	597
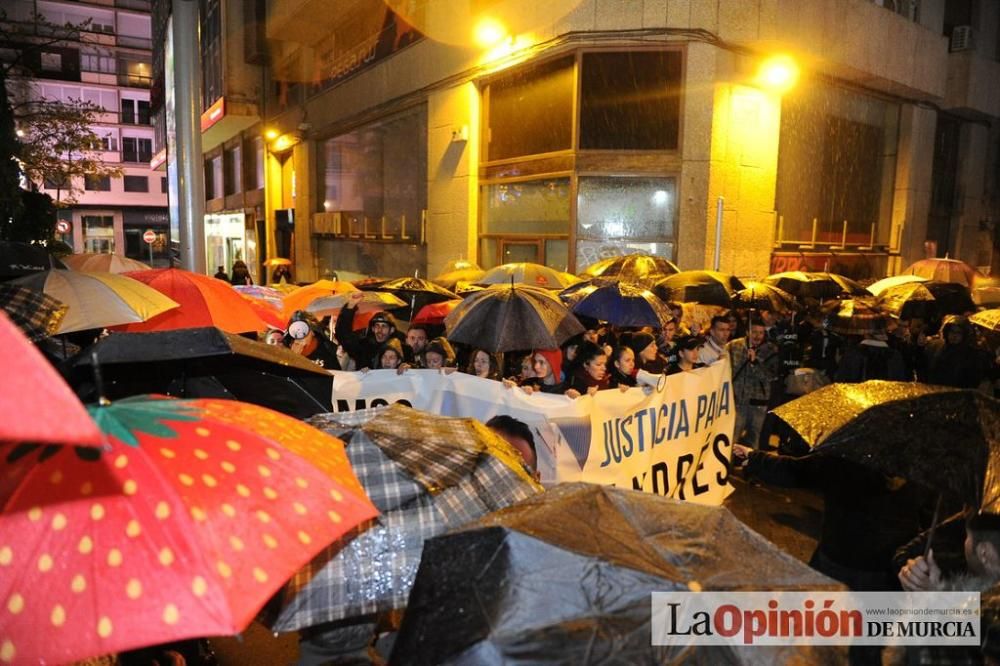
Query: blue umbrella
620	304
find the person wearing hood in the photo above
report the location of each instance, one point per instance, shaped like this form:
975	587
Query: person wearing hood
305	337
365	349
952	359
390	355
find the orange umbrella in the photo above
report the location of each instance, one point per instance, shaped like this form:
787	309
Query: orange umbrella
303	296
945	270
435	313
194	515
267	314
204	301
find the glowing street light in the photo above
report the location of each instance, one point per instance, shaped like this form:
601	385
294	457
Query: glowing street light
271	134
778	74
488	32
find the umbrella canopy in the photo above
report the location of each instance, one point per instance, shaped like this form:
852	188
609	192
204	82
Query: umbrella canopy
371	301
301	297
945	270
267	314
103	263
206	363
459	270
272	297
764	297
435	313
98	300
204	301
37	315
426	474
528	273
510	317
566	577
415	292
807	285
944	438
621	304
638	268
895	280
184	526
18	259
926	300
988	319
987	296
36	405
704	287
855	317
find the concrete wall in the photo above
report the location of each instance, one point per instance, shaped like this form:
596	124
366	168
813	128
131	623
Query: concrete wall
913	184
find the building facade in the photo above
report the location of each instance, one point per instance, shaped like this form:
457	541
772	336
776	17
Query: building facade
110	65
598	127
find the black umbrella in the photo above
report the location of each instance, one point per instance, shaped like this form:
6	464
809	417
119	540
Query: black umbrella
704	287
565	578
417	293
640	268
810	285
504	318
943	438
206	363
764	297
17	259
926	300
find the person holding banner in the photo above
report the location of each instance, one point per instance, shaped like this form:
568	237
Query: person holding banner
688	355
439	354
590	374
547	364
483	364
622	367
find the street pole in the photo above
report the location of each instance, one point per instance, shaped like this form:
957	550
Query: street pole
190	167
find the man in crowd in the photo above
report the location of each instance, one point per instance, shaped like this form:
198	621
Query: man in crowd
756	364
364	349
719	331
416	337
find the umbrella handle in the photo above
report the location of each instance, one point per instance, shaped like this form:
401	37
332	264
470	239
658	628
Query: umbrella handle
934	521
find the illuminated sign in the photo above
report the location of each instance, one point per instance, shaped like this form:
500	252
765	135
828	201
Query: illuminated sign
214	114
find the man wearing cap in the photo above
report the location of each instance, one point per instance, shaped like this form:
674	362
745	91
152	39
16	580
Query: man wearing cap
364	348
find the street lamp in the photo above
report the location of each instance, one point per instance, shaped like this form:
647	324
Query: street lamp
777	73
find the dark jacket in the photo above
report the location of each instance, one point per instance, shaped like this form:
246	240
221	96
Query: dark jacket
582	381
960	365
866	361
618	378
363	348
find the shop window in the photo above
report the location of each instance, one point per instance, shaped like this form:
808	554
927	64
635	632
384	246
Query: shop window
630	100
98	233
526	221
836	164
530	111
136	184
622	215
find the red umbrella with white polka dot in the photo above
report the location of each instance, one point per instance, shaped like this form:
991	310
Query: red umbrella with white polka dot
190	519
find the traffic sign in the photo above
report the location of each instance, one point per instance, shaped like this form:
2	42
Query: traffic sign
149	236
63	226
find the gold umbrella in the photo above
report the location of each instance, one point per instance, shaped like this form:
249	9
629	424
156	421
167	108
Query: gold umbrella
103	263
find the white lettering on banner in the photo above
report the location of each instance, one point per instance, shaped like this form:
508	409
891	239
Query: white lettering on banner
675	441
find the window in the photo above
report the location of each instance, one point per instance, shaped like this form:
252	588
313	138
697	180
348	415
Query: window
137	150
98	233
134	112
55	182
97	183
136	184
233	165
621	215
51	62
163	184
630	100
105	99
545	89
104	141
836	164
93	62
526	217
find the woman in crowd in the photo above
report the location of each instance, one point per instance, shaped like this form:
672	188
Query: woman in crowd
590	375
483	364
622	367
547	364
390	355
688	347
439	354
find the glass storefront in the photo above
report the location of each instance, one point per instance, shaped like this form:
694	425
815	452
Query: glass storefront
526	221
228	240
98	233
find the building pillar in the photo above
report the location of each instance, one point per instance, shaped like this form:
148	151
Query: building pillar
912	196
190	161
304	203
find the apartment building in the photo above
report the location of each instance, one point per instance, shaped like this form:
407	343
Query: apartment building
564	132
109	63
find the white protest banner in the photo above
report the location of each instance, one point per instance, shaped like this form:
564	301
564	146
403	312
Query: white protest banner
673	441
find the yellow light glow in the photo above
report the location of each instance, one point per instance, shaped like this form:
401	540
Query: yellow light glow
488	32
778	74
282	143
271	134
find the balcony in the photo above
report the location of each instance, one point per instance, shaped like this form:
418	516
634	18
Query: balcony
135	42
137	157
